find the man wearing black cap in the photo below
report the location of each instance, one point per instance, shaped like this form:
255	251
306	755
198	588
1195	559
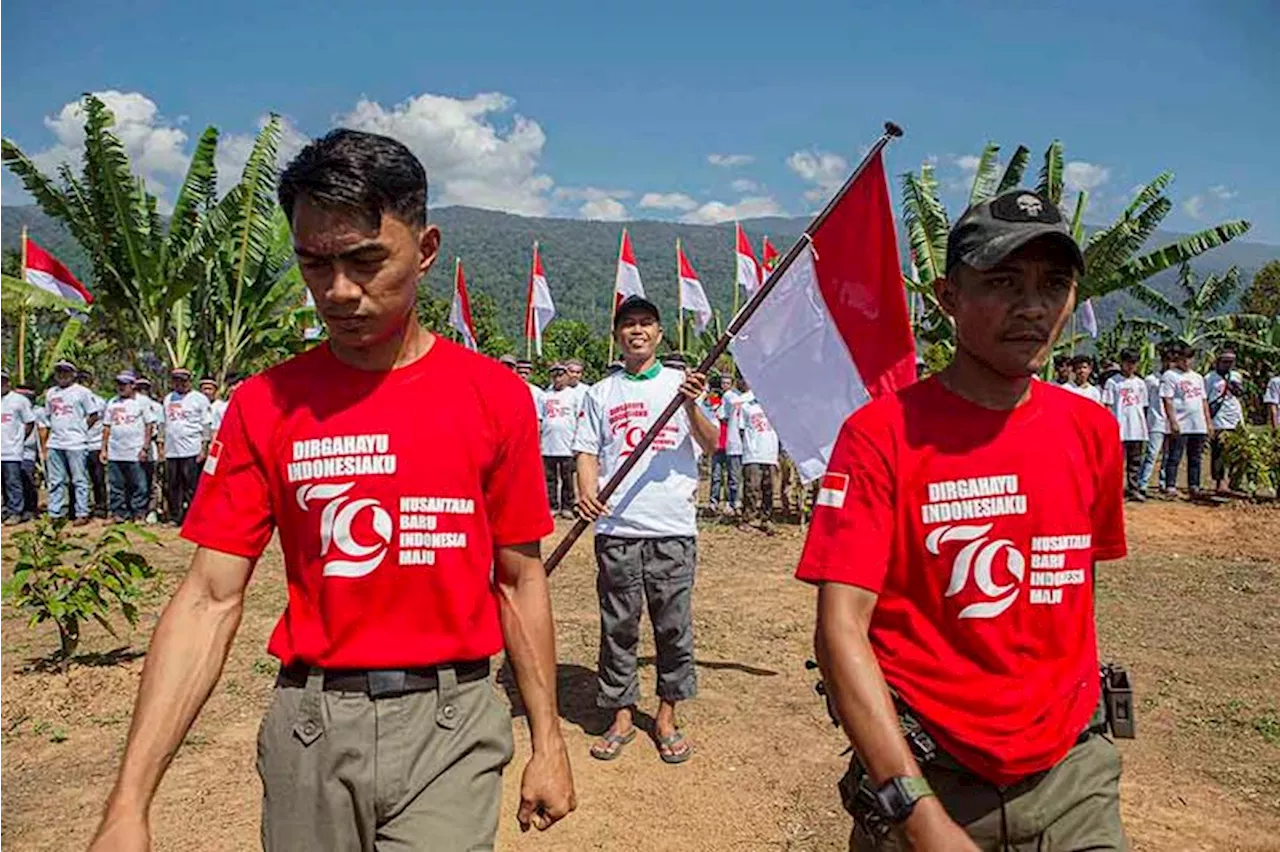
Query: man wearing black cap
17	422
186	442
955	561
646	538
73	410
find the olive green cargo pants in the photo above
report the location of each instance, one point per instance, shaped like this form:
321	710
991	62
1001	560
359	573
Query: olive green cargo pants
342	771
1072	807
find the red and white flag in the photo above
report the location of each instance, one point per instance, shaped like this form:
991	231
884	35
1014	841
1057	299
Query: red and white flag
540	309
627	281
833	333
460	309
749	269
45	271
768	258
692	296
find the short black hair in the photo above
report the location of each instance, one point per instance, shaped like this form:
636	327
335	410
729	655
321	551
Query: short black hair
1128	356
1081	359
1060	361
358	171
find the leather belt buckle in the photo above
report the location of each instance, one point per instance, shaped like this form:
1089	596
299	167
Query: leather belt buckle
385	684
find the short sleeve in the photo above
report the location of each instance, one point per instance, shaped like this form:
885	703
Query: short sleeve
1167	387
586	437
1109	392
515	491
1107	514
232	510
851	536
149	414
25	414
1272	396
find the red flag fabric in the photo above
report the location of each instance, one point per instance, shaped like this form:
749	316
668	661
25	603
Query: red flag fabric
47	272
768	257
749	270
460	309
834	332
540	309
692	295
627	281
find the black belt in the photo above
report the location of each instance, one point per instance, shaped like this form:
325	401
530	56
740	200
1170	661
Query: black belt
382	683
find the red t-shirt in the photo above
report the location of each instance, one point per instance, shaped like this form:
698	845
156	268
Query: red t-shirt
979	530
390	492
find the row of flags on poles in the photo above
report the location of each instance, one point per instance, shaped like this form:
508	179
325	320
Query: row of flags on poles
540	308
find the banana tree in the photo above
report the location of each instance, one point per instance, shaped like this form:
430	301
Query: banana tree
1195	321
142	267
45	327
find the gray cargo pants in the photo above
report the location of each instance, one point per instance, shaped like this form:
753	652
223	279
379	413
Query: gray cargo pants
633	571
420	771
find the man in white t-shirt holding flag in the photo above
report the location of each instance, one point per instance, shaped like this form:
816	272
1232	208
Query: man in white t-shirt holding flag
1126	395
558	417
1223	388
646	538
759	461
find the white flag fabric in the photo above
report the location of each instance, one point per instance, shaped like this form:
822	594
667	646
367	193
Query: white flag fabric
46	272
692	296
627	281
460	310
833	333
1088	319
750	275
541	308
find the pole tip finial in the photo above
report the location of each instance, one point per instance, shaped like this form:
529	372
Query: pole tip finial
892	129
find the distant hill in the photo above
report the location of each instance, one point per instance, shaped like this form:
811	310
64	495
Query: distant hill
580	258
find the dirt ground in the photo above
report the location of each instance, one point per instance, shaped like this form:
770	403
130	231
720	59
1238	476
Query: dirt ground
1194	613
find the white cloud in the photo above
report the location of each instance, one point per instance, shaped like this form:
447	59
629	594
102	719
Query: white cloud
714	212
968	163
469	159
667	201
822	168
155	145
1222	193
1194	206
599	204
728	161
1078	175
744	185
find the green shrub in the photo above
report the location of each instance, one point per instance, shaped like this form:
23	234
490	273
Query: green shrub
67	579
1252	458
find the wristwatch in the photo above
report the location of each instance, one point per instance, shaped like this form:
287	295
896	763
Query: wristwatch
897	798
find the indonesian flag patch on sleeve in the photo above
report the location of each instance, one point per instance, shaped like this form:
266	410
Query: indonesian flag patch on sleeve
833	489
211	461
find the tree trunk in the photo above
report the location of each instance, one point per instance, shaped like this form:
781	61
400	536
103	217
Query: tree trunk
68	640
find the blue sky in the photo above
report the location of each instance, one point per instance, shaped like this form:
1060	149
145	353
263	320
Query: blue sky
694	110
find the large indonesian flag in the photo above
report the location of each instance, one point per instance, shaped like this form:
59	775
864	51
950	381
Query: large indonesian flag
460	309
47	272
540	309
692	296
749	270
627	281
833	333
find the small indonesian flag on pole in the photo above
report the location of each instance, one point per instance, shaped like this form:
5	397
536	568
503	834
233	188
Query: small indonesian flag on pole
541	309
833	333
1088	319
749	272
768	258
460	309
45	271
692	296
627	281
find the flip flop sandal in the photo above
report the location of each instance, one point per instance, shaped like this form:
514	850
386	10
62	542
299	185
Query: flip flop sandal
614	743
671	755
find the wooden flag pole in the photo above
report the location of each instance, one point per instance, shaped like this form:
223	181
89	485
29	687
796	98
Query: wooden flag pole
528	308
891	131
22	316
613	300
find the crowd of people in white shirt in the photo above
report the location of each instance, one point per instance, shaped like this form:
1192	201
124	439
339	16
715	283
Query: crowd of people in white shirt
1171	413
102	457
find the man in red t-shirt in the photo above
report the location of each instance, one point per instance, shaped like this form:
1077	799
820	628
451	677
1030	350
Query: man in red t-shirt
954	543
411	545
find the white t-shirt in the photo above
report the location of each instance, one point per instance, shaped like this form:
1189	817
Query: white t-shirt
1127	399
31	448
1230	412
759	441
559	416
15	414
127	420
536	392
69	410
93	443
1186	390
1155	409
1087	391
187	418
1272	394
732	414
658	497
217	410
156	434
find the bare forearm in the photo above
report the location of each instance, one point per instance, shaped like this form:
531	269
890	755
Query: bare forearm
529	635
587	470
861	695
186	656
